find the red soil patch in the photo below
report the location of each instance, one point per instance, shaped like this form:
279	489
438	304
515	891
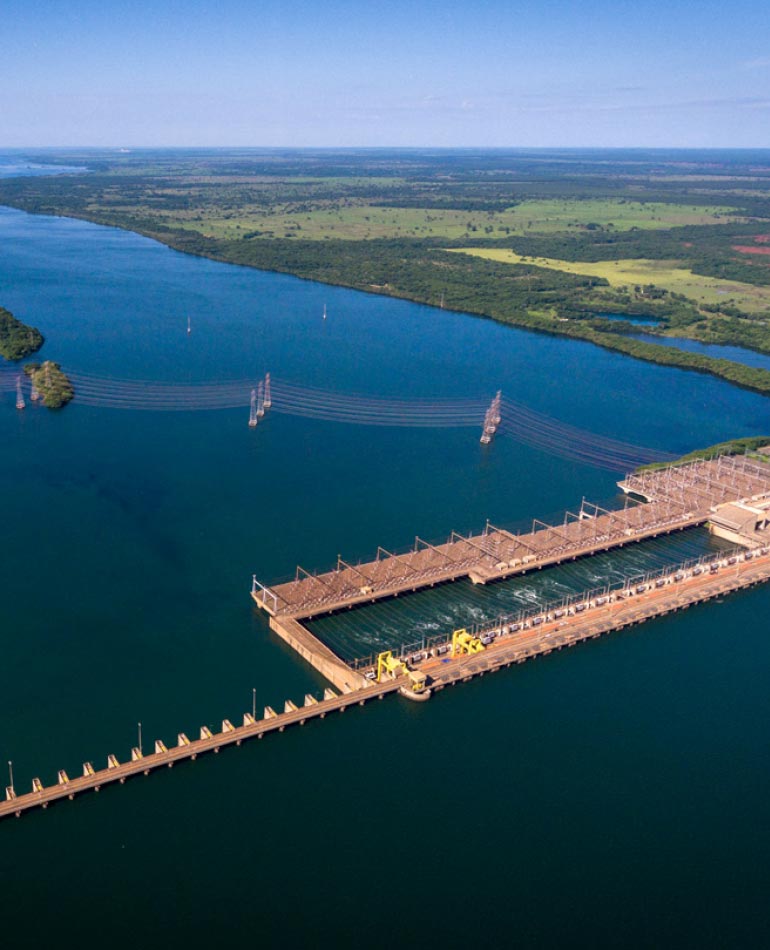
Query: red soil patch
762	238
748	249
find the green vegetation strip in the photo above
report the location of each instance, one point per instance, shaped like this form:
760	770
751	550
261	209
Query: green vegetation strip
745	446
17	340
54	387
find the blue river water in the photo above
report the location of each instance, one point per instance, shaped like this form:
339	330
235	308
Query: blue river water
15	164
629	318
616	793
738	354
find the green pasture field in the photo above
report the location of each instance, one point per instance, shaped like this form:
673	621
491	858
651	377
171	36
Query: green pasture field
317	217
641	272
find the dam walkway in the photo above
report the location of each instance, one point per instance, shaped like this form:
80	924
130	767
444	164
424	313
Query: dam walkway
553	628
674	498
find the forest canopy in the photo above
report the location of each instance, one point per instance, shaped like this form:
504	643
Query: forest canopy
17	340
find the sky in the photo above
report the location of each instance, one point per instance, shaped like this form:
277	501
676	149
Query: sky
339	73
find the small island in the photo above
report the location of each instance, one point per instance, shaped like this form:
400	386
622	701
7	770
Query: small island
17	340
52	386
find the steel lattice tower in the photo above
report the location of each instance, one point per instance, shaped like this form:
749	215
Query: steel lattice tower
253	412
492	419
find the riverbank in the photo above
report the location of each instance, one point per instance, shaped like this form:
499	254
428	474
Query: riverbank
436	278
748	446
391	223
482	290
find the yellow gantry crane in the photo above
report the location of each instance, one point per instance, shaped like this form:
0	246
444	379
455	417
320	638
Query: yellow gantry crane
464	642
392	666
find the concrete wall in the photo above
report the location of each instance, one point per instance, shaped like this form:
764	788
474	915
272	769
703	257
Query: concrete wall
318	655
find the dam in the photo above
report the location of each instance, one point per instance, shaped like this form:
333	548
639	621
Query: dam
731	495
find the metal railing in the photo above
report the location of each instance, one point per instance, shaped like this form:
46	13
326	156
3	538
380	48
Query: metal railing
510	623
680	493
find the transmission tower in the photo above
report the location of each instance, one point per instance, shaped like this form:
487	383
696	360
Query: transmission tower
495	408
268	398
261	399
20	404
253	412
492	419
487	429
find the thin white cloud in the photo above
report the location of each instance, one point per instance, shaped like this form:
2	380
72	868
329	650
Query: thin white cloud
761	62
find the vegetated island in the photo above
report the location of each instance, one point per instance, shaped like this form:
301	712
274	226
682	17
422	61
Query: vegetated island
53	386
17	340
756	447
579	244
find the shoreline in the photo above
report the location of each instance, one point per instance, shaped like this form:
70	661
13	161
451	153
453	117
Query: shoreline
752	379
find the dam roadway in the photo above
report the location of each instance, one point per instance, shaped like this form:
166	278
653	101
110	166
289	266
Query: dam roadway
622	608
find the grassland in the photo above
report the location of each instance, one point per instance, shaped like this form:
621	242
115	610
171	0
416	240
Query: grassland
552	240
645	273
317	218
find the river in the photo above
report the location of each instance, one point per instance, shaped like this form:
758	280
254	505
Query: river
738	354
613	793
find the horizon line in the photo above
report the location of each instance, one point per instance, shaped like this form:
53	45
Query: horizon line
122	148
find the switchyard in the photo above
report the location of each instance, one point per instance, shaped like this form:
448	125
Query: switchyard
729	494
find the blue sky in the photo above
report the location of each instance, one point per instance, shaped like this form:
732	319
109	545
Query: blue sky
343	73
